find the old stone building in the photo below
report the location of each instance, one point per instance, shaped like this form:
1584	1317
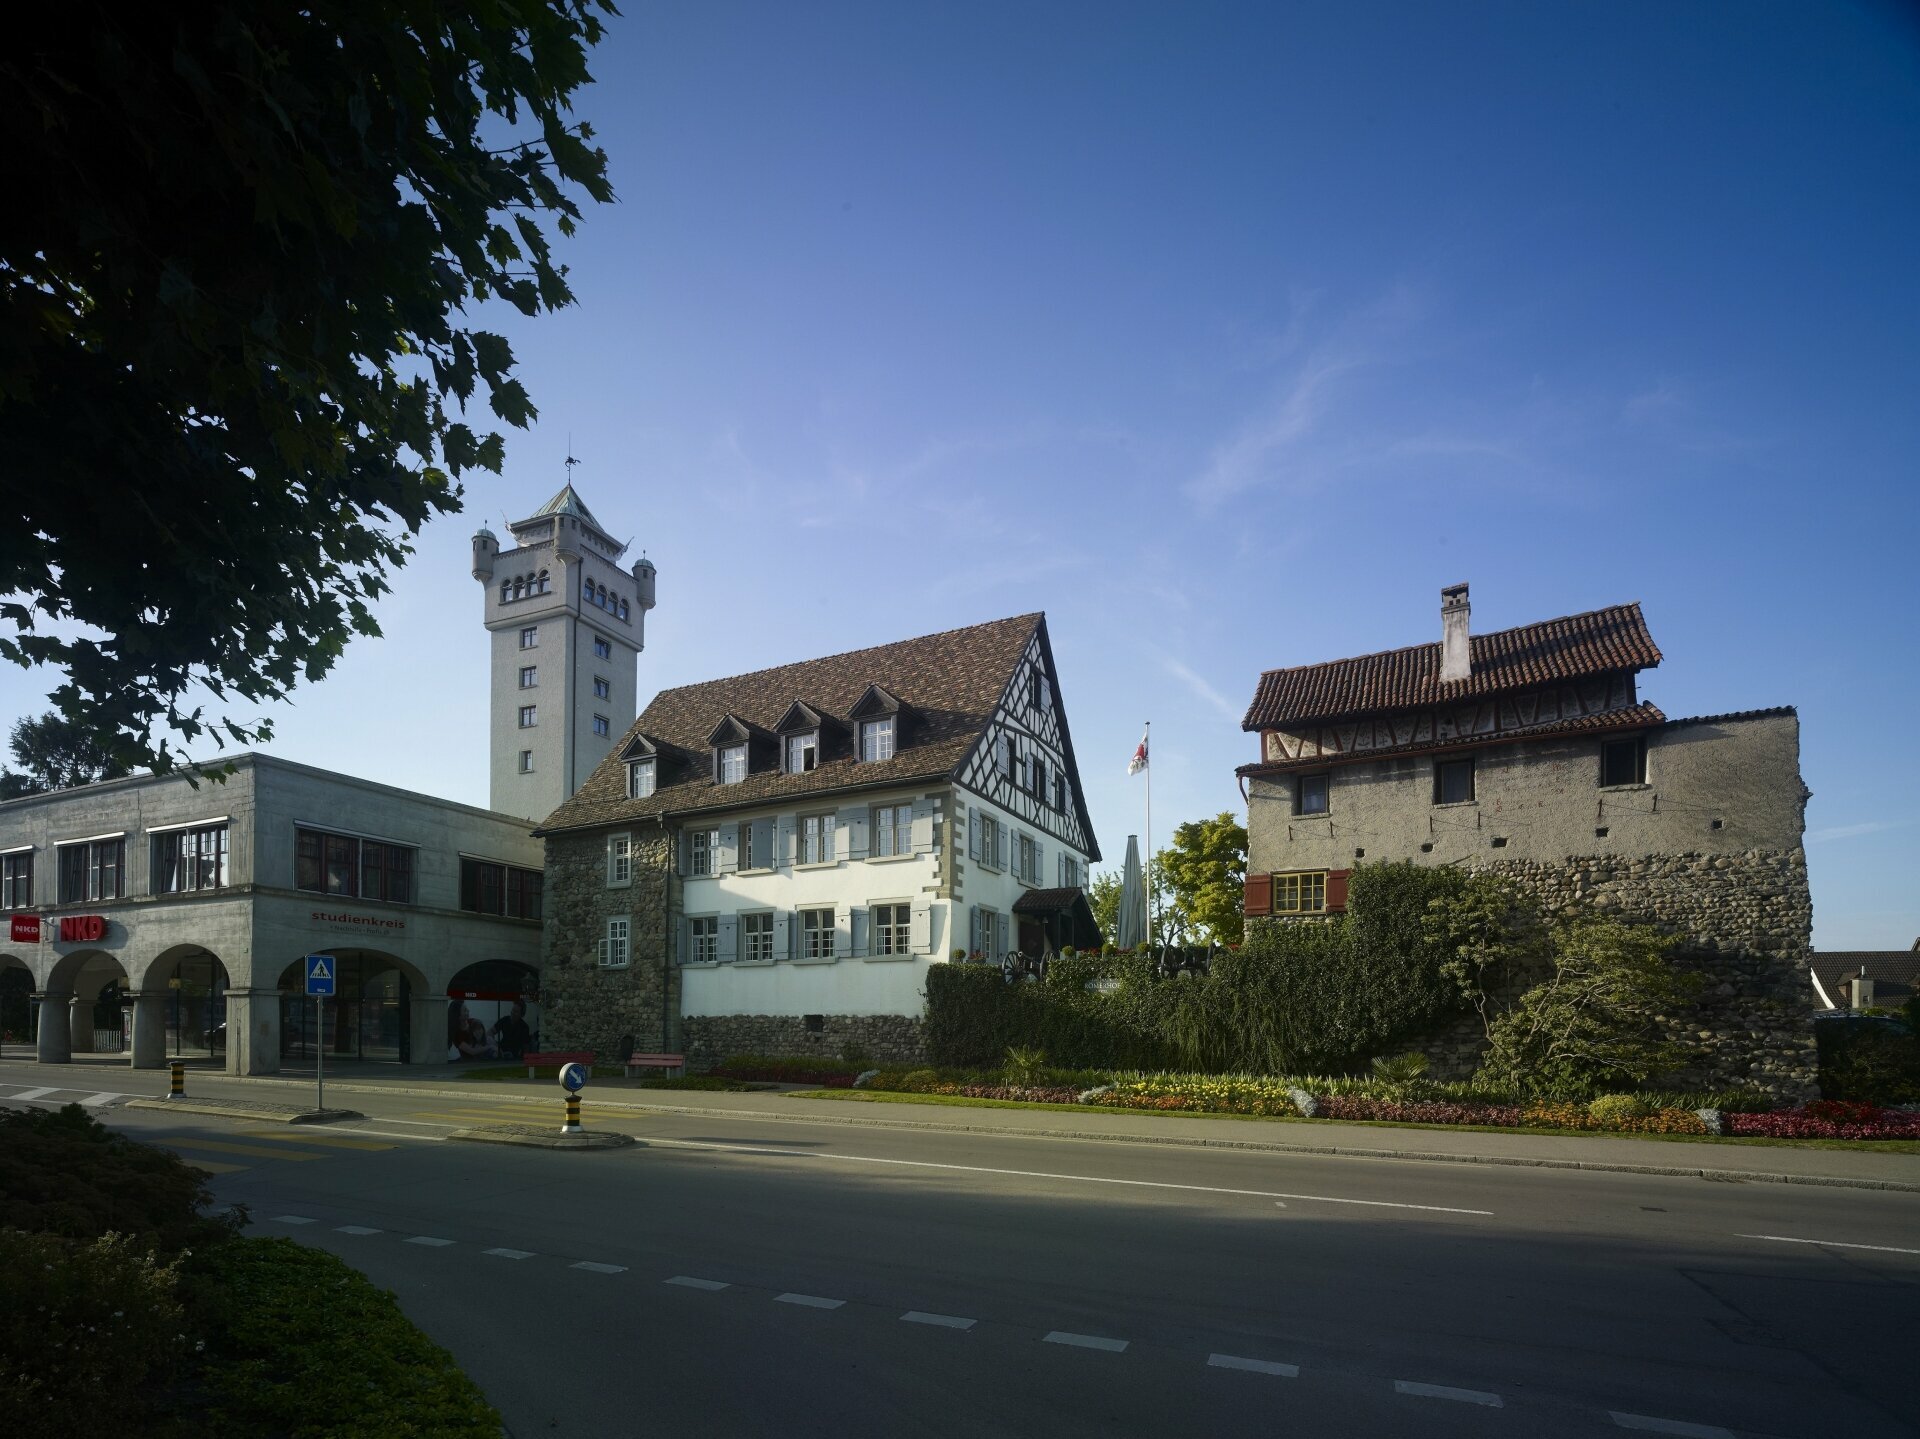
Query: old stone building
1531	752
770	863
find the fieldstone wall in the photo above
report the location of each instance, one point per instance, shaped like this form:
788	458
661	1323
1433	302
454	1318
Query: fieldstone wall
882	1038
586	1006
1745	922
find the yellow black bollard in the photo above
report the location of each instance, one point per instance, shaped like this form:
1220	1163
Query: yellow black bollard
176	1080
572	1126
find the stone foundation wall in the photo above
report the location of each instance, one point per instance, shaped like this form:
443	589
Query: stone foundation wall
883	1038
584	1005
1744	922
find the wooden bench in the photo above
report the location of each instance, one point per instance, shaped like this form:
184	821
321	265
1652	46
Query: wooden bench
554	1061
655	1061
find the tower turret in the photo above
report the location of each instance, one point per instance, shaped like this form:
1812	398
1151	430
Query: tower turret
486	549
643	577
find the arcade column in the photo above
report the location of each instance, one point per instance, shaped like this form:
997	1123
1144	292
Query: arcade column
427	1029
253	1031
53	1042
150	1028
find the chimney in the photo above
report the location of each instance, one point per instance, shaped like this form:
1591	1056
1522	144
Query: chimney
1862	990
1455	663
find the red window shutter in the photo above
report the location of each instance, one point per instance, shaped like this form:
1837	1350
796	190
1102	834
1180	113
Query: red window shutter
1259	898
1337	890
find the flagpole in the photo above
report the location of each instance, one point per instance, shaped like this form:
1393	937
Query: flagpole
1146	740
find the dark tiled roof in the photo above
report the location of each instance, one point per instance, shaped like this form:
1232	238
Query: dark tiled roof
1563	649
1638	716
1772	713
949	684
1894	972
1047	901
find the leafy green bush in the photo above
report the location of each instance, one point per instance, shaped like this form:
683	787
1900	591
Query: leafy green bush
87	1330
303	1345
1611	1109
68	1174
800	1066
1868	1062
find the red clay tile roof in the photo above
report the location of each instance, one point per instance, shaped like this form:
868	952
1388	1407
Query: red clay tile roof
949	685
1638	716
1569	648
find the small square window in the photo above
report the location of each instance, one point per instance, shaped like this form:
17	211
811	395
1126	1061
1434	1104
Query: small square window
601	689
803	752
732	764
876	740
529	676
1310	793
1623	761
526	761
601	727
529	716
640	779
602	649
1452	781
530	637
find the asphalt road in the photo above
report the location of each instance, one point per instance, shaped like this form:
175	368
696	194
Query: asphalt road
740	1277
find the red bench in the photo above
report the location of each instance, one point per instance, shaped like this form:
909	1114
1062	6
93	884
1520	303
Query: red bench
655	1061
554	1061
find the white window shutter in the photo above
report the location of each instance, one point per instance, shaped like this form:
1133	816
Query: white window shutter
851	840
1038	874
783	935
862	933
842	931
726	857
922	825
1002	756
973	833
920	936
729	946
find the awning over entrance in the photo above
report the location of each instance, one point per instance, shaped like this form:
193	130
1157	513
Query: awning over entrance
1065	914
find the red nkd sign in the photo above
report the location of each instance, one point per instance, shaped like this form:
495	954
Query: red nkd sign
26	929
82	928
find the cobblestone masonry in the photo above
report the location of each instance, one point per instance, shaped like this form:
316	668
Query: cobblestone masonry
1745	921
881	1038
587	1006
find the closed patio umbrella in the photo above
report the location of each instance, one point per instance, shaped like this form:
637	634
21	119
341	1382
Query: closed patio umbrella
1130	929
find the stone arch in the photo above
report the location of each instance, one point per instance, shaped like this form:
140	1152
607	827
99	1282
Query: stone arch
69	995
181	1005
16	999
379	1012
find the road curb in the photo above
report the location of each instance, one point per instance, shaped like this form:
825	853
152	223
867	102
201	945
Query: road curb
1421	1156
248	1109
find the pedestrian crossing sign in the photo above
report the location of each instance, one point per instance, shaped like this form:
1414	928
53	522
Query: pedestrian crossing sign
320	976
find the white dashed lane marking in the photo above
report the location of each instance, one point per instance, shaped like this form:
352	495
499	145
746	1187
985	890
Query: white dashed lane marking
30	1094
353	1229
1824	1244
509	1253
94	1101
292	1219
1087	1341
687	1281
1441	1391
1253	1366
1670	1426
809	1301
430	1241
945	1321
592	1268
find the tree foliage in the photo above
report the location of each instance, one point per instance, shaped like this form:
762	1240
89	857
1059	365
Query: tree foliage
55	753
1206	874
236	258
1596	1020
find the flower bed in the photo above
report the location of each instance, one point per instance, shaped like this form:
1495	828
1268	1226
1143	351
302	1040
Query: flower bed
1199	1094
1828	1119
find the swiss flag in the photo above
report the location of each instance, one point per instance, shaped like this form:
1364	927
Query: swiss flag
1139	760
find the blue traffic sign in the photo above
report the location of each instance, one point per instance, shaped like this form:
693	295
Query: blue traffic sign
320	976
573	1077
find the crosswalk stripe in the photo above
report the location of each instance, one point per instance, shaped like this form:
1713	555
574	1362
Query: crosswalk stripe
251	1151
31	1093
95	1100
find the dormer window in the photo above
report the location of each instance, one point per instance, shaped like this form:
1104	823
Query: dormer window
731	763
803	752
641	774
876	740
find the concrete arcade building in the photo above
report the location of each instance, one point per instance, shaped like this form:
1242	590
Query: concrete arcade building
151	917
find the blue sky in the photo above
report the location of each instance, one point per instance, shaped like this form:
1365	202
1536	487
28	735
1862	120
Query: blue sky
1227	335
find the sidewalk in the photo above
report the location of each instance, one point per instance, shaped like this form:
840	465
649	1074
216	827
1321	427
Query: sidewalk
1849	1168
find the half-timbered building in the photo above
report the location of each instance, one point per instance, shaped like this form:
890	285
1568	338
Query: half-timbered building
770	862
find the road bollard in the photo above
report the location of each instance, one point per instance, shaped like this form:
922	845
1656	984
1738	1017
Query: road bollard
572	1126
176	1080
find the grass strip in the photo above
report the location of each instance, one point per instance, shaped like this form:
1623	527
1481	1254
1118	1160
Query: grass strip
603	1075
873	1096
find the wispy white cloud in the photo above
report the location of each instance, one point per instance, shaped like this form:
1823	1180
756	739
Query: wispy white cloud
1198	685
1854	831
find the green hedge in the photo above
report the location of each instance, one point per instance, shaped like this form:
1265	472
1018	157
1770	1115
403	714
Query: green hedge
1296	997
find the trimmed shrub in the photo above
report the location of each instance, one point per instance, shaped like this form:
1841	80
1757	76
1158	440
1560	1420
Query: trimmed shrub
784	1069
1868	1061
1612	1109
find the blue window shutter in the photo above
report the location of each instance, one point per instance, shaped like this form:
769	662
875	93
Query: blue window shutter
729	945
850	840
783	852
783	935
1000	944
922	825
726	858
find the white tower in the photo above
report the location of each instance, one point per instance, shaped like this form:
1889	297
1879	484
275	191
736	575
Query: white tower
567	625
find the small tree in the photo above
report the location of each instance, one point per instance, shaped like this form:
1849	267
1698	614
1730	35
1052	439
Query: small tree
1205	872
1595	1021
1486	930
54	753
